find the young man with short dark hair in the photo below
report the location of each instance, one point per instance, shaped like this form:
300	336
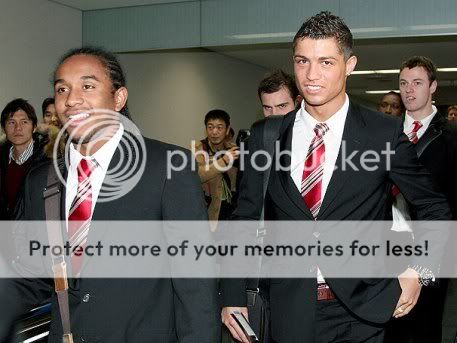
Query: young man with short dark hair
435	142
214	155
316	186
19	153
391	103
278	93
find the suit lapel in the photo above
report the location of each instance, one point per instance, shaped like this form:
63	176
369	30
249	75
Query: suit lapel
354	139
432	133
282	187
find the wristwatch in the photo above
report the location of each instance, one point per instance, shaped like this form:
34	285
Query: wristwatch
426	276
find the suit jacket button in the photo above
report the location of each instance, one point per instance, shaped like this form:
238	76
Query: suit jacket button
86	298
82	339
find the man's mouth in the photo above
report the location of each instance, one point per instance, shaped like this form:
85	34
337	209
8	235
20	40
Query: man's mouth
79	116
313	88
76	119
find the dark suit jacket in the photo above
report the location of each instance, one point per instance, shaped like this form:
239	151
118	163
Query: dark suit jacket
126	310
351	195
437	151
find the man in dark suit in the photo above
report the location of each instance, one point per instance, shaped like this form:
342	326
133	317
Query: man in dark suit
436	146
89	82
320	309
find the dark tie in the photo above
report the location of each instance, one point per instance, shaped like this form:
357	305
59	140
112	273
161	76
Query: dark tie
311	185
80	214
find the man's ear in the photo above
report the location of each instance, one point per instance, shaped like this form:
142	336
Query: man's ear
433	87
120	98
350	65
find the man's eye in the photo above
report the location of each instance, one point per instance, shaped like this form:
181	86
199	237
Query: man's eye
60	90
88	87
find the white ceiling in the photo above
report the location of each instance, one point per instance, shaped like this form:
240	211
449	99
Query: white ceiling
86	5
372	54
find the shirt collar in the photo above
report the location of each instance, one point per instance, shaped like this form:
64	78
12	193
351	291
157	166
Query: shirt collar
24	156
425	122
335	122
103	155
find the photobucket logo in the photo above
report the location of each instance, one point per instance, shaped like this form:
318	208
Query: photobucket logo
278	160
89	131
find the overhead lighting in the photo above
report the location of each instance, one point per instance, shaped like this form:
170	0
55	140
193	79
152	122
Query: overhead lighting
264	35
396	71
383	91
447	70
380	71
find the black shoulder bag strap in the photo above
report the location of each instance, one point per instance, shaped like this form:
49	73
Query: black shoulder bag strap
270	135
258	303
52	198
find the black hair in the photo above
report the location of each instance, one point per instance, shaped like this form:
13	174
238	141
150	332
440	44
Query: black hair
46	103
275	80
217	114
327	25
421	61
16	105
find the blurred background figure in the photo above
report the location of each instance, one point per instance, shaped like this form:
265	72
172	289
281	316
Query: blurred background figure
49	113
391	103
452	113
278	93
18	153
215	156
48	130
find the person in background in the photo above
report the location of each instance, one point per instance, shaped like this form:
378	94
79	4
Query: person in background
278	93
215	155
452	113
50	116
435	143
19	153
391	103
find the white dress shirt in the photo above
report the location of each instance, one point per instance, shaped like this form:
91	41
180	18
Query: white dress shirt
400	211
102	159
303	134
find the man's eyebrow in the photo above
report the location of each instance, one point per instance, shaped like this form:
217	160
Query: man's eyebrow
90	77
323	58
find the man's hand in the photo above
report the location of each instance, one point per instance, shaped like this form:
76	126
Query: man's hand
409	282
232	325
231	155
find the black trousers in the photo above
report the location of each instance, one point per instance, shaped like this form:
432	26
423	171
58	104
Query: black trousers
335	324
424	323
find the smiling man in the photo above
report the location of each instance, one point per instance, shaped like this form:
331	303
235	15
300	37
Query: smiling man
316	186
88	84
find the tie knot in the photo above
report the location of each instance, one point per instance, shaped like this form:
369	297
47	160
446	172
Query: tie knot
417	125
85	168
320	129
